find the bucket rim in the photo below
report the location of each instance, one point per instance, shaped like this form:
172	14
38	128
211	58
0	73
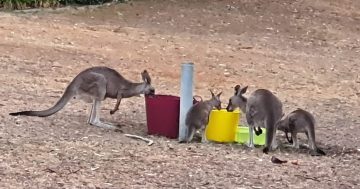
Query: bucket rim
162	96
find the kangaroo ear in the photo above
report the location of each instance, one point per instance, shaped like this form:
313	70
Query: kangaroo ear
236	88
146	77
218	95
243	90
212	94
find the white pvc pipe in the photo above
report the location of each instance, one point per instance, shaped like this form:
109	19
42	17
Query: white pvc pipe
186	96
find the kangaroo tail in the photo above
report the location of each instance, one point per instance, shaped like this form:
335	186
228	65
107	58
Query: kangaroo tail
270	134
271	128
317	152
320	152
190	134
68	94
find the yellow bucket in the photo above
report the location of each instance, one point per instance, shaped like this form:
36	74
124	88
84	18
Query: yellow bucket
222	125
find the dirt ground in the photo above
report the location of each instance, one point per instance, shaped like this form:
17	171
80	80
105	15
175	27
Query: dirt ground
307	52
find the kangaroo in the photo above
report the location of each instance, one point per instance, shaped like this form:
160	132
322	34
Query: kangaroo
262	109
198	116
300	121
94	85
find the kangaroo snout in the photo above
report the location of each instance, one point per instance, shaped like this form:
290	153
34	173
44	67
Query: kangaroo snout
229	107
150	92
218	107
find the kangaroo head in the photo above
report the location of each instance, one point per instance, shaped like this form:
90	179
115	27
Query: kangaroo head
148	89
215	99
238	100
282	124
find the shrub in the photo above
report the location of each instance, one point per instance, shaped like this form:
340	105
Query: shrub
83	2
25	4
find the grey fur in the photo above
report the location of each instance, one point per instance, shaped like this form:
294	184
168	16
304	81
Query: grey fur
300	121
94	85
198	116
262	109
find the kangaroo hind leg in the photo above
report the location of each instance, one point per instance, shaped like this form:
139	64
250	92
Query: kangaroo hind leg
95	116
94	85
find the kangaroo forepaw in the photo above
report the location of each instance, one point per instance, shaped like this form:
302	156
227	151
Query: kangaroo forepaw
258	132
290	141
112	111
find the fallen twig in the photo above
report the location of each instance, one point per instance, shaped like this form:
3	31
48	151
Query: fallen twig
50	170
75	171
149	141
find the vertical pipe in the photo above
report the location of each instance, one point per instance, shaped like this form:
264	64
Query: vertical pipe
186	96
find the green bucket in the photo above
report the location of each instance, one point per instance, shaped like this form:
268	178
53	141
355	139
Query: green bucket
242	136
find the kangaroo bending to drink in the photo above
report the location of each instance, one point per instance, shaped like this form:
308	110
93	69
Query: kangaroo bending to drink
94	85
198	116
300	121
262	109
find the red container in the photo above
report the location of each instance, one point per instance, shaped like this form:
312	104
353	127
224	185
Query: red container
162	115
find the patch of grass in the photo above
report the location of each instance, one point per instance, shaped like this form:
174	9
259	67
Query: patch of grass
24	4
28	4
84	2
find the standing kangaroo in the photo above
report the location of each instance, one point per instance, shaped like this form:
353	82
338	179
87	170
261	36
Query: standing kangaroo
300	121
262	109
198	116
94	85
